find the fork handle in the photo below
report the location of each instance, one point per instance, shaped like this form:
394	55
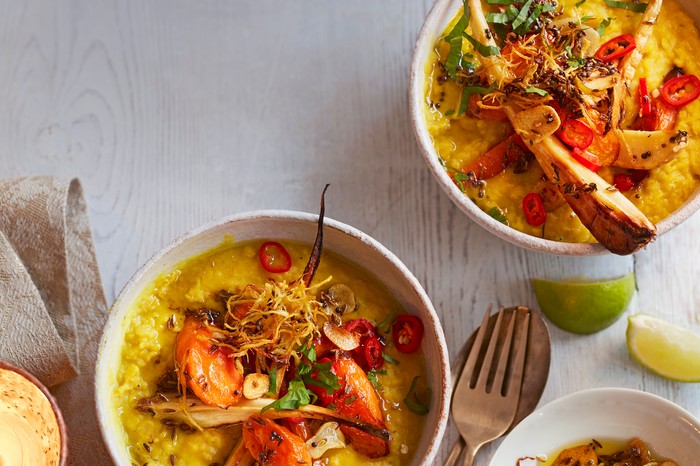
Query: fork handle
469	454
454	452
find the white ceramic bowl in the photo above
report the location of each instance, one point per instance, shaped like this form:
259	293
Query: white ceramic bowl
604	414
338	237
439	16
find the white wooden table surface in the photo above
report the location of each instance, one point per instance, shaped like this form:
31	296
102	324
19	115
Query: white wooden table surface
173	113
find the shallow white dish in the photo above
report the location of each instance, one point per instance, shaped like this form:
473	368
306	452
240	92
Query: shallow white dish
604	414
338	237
435	23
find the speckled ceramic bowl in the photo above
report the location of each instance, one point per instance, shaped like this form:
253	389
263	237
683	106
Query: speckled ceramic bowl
438	18
339	238
63	461
606	414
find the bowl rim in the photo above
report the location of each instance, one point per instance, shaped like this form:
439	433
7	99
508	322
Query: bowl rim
62	429
426	38
442	401
630	395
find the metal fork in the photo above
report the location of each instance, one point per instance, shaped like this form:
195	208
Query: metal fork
484	404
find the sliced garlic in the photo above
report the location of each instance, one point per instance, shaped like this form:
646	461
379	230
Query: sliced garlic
327	437
255	385
346	341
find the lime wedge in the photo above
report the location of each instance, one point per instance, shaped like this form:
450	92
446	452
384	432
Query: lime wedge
668	350
584	307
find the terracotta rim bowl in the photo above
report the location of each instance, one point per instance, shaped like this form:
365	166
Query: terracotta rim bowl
338	237
438	17
54	405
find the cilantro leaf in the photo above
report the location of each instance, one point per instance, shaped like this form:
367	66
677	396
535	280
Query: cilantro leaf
273	382
372	376
496	213
637	7
298	395
323	378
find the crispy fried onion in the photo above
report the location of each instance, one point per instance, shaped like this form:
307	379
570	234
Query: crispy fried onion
274	321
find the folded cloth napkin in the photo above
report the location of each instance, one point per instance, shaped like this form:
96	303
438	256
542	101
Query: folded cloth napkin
52	306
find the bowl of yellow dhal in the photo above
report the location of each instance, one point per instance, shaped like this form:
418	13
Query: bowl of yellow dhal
193	276
453	134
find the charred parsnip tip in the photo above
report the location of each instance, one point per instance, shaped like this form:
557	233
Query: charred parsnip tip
610	217
170	408
630	62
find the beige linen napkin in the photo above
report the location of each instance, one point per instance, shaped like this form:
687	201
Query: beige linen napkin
52	306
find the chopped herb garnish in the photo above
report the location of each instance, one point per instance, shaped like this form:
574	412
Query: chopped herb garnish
389	359
461	24
449	112
385	325
331	407
573	60
273	382
498	18
454	58
497	213
323	378
309	351
468	91
418	397
537	90
603	24
522	15
484	50
350	399
501	2
372	376
637	7
586	18
579	3
298	395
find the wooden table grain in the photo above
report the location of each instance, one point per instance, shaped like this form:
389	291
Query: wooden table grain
173	113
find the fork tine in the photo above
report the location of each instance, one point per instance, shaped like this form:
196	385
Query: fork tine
488	357
476	346
500	376
516	377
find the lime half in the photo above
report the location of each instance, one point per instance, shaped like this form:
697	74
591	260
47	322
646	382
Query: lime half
668	350
584	307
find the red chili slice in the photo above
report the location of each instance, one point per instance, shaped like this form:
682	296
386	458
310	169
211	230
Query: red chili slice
680	91
407	333
533	207
274	258
372	352
623	182
644	98
615	48
361	327
586	159
575	133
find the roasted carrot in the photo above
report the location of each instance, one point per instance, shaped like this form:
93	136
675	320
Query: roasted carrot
205	367
271	444
497	159
357	398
